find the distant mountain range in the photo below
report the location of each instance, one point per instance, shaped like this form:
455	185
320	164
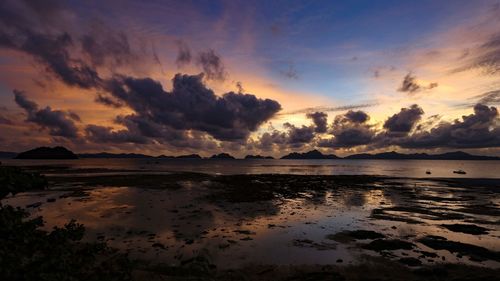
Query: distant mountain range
457	155
63	153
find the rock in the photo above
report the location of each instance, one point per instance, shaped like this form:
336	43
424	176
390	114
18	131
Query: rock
466	228
410	261
388	245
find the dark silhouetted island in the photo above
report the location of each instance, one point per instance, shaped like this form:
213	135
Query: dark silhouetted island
457	155
258	157
189	156
57	152
313	154
222	156
165	157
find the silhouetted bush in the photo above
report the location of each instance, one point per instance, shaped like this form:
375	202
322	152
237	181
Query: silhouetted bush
14	180
29	253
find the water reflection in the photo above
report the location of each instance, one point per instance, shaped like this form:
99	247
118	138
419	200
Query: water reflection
397	168
171	225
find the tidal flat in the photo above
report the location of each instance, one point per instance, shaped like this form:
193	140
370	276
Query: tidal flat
280	227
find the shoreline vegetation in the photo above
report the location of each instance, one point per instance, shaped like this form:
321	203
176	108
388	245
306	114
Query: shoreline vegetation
28	250
59	152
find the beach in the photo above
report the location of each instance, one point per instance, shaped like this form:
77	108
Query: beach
277	225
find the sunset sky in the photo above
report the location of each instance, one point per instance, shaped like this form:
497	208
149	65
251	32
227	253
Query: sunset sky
250	77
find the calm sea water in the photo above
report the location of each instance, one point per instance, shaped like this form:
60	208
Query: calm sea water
397	168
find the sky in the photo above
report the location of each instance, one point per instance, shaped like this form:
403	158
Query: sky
250	77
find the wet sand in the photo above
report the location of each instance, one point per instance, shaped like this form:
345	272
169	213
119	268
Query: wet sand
279	225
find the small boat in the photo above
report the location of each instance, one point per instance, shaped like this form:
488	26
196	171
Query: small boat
461	172
428	172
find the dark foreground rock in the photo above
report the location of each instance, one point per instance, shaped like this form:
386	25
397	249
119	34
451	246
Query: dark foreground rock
466	228
475	253
380	245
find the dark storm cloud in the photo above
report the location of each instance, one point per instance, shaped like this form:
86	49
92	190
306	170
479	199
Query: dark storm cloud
411	86
59	123
357	116
142	131
192	106
101	134
349	130
320	120
108	101
476	130
212	65
183	54
294	137
267	140
405	120
298	136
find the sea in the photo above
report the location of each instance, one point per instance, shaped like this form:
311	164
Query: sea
390	168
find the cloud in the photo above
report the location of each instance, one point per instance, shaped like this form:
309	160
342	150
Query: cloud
330	108
320	120
405	120
349	130
28	28
42	31
476	130
101	134
183	54
192	106
106	47
488	98
59	123
357	116
290	72
411	86
108	101
212	65
297	136
485	57
5	121
267	140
